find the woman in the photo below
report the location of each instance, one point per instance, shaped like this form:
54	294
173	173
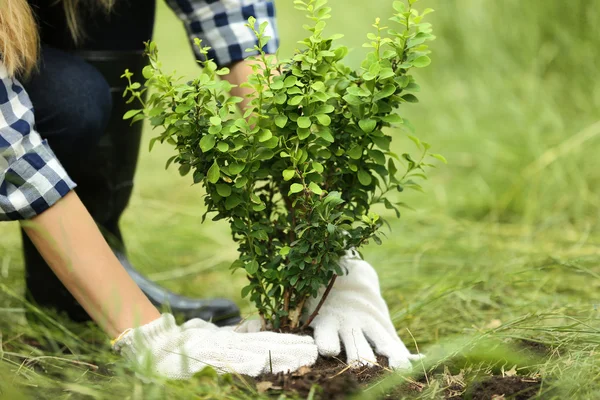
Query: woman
71	104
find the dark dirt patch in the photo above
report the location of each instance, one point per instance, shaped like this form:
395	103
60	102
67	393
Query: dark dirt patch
511	387
332	375
535	348
402	391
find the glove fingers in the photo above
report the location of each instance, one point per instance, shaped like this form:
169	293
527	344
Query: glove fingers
390	346
326	336
358	349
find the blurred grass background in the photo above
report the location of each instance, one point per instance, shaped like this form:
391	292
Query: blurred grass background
503	245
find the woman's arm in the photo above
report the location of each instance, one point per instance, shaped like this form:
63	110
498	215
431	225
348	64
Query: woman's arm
70	242
35	188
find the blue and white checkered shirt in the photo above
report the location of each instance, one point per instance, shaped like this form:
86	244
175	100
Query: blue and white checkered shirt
220	25
32	179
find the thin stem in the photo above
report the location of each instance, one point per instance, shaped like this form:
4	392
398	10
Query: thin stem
325	295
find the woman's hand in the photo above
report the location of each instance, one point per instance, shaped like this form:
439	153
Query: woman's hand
356	313
178	352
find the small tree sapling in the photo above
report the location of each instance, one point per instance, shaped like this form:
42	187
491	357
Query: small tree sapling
297	174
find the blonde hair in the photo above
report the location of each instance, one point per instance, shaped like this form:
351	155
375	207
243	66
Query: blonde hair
19	37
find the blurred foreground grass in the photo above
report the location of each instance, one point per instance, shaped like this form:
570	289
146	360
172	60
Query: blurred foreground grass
501	250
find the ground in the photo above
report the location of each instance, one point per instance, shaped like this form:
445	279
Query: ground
494	275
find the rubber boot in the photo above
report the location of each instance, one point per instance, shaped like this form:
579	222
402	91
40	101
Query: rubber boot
105	185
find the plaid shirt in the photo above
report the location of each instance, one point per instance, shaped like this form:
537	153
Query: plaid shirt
32	179
220	25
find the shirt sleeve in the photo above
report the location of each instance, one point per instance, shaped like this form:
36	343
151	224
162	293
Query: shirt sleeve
220	25
31	178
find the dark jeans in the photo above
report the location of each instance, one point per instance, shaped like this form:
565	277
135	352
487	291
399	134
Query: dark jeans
72	104
72	98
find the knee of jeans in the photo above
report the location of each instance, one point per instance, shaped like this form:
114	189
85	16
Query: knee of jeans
86	109
72	101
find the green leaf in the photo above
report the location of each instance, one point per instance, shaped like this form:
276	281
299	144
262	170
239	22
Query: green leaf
415	140
355	152
304	122
224	190
288	174
377	156
252	267
264	135
215	120
392	167
325	109
255	199
352	100
325	134
281	120
290	81
440	157
316	189
367	125
214	173
383	142
241	182
184	169
207	143
421	62
330	228
232	201
399	6
324	119
236	168
284	251
364	177
295	188
131	113
223	147
411	98
246	290
294	101
237	264
392	119
148	72
318	166
387	91
303	133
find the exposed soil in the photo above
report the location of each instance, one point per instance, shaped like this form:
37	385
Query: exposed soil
498	387
534	348
334	378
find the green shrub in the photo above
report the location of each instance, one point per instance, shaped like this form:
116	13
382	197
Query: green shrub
297	174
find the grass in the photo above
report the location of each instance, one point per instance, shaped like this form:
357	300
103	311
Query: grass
501	252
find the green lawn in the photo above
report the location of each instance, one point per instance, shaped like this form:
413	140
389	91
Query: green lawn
497	266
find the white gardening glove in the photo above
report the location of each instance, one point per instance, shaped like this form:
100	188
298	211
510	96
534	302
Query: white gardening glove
356	313
178	352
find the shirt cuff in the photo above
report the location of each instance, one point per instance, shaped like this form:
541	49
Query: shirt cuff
32	184
223	29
